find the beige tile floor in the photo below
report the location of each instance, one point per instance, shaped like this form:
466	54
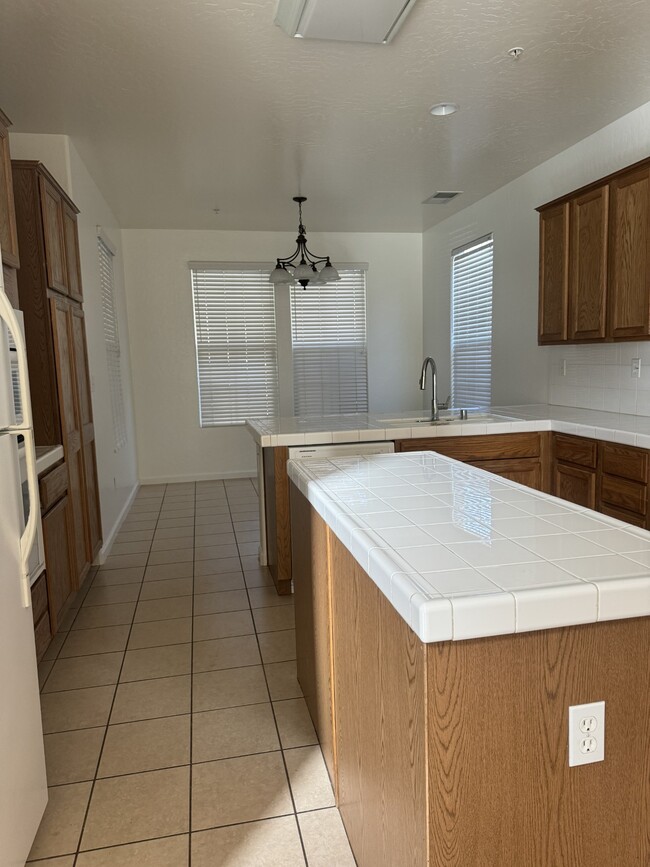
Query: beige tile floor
175	729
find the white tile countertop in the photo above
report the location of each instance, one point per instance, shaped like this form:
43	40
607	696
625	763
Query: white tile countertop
463	554
365	427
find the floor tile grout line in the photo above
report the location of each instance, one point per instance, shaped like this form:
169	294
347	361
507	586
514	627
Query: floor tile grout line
108	722
277	729
191	753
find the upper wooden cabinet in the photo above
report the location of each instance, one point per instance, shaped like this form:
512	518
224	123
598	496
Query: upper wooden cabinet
594	261
553	273
8	234
629	275
588	220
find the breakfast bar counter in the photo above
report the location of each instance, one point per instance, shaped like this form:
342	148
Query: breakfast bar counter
446	619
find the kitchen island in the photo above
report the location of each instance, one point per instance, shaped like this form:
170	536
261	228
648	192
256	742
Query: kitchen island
539	445
445	622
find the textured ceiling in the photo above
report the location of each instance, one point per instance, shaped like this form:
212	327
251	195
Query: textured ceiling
181	106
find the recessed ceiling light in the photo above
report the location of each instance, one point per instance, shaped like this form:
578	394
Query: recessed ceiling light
442	109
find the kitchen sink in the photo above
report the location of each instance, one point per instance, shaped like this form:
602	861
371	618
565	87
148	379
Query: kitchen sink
446	417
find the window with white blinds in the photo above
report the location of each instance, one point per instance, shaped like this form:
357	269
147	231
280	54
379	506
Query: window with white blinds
471	324
328	337
112	343
236	345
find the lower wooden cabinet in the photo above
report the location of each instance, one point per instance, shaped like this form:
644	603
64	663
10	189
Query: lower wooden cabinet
519	457
575	484
41	614
58	531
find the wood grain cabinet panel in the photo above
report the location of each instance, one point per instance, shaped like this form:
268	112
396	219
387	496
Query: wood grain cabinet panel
53	233
553	273
588	265
624	494
575	484
477	448
629	271
58	528
8	231
526	471
62	322
628	462
575	450
71	243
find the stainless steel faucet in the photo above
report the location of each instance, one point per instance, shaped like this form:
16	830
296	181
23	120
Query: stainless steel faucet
435	413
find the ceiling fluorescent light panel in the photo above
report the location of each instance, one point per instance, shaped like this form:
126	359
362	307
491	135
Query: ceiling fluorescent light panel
375	21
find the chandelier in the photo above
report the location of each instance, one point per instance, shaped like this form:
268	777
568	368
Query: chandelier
303	261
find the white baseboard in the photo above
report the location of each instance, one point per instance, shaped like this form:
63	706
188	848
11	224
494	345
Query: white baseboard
199	477
105	550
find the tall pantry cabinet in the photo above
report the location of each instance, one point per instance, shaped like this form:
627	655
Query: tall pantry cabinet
50	292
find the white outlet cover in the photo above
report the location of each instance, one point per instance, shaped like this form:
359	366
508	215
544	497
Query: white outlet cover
583	733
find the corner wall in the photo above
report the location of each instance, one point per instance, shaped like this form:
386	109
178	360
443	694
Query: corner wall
522	371
117	471
171	444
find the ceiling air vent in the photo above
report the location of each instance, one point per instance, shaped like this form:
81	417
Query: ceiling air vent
441	198
343	20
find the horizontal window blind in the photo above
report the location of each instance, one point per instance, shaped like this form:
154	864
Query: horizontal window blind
236	345
328	335
112	343
471	324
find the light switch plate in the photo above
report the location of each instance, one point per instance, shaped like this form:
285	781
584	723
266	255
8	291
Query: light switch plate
586	733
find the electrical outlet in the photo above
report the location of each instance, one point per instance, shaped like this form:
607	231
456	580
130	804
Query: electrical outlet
586	733
636	368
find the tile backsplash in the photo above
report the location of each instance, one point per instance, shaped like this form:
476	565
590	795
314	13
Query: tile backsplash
599	376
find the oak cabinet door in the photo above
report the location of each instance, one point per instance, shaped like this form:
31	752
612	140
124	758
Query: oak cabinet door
53	234
8	234
72	261
553	274
629	255
588	265
59	559
526	471
62	326
575	484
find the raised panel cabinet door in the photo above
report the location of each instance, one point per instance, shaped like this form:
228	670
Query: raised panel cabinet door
71	430
59	558
72	261
8	234
87	429
553	274
526	471
629	255
52	216
576	485
588	265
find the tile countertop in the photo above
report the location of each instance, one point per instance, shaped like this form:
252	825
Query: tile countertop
463	554
47	456
365	427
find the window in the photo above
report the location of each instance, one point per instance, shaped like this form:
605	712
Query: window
236	347
471	324
328	339
304	350
112	341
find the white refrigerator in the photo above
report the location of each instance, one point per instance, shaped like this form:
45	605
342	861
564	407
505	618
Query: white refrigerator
23	785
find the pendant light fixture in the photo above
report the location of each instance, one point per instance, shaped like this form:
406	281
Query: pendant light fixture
303	261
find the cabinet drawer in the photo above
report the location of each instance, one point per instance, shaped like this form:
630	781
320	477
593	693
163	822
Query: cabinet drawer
42	635
625	461
635	520
624	494
576	450
39	597
479	448
53	486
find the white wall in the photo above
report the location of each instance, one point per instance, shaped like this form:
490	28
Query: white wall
171	445
521	369
117	471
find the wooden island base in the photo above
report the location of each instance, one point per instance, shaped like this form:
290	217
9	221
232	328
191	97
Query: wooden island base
455	753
